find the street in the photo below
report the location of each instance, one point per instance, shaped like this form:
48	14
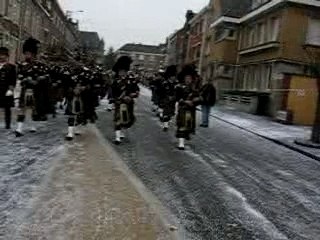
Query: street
229	184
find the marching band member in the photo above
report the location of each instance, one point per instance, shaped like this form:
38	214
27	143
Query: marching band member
155	85
75	109
167	96
124	91
8	77
188	98
34	87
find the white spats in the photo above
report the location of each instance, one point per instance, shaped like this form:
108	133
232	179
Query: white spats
19	129
118	137
70	134
109	107
122	135
160	112
78	130
33	129
9	93
181	145
165	126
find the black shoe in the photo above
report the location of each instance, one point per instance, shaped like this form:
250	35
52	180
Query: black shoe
165	129
33	131
8	127
204	126
18	134
68	138
181	148
117	142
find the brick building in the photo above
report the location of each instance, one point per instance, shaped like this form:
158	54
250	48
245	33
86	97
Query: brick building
147	58
270	40
91	47
196	38
178	43
41	19
221	46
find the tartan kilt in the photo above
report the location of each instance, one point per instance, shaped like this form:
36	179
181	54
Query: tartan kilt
124	115
186	122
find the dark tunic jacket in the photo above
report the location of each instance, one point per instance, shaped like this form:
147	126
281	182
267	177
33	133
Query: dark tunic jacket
8	77
123	92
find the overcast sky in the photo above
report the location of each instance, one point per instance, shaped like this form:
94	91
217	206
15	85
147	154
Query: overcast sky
137	21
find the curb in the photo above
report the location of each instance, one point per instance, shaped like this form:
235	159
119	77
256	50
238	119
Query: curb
291	147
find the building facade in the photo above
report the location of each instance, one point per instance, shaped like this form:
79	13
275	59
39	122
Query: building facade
252	50
41	19
196	38
146	58
171	58
178	43
91	47
220	56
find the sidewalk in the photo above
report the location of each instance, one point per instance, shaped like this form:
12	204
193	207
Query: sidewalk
267	128
87	194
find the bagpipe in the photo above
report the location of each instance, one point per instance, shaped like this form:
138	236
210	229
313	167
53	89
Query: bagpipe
123	107
186	113
31	77
77	102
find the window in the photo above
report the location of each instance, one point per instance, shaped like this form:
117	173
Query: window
250	37
257	3
198	52
219	32
152	58
254	77
313	34
141	57
231	33
222	33
4	7
274	29
261	33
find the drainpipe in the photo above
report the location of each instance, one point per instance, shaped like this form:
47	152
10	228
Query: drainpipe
204	35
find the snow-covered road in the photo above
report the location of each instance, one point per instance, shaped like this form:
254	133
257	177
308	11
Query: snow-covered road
228	184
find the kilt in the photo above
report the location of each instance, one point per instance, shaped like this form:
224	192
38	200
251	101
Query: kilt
186	122
124	115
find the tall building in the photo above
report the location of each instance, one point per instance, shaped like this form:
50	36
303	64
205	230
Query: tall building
178	43
92	47
147	58
221	45
258	47
196	38
43	20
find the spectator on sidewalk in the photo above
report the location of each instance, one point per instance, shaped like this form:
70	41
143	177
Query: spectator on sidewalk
208	96
7	83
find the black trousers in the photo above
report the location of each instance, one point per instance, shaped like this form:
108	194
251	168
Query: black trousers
7	116
6	105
